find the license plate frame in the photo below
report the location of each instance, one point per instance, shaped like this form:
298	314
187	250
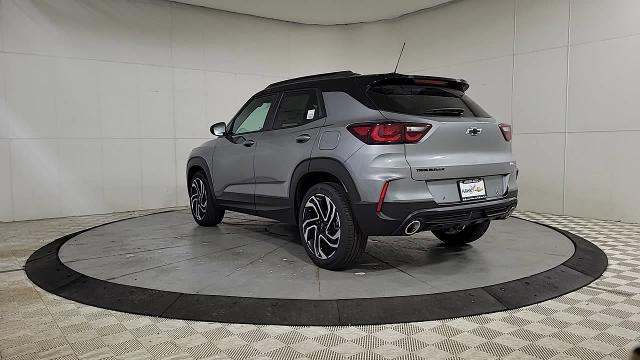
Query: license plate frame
472	189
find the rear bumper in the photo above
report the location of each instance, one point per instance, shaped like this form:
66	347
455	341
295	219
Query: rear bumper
395	216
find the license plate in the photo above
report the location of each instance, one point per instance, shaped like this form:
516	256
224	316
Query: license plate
472	189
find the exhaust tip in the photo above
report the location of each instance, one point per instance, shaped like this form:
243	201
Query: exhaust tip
413	227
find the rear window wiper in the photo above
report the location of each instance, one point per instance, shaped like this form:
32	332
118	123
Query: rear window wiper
444	112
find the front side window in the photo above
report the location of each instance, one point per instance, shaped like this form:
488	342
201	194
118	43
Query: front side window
297	108
253	116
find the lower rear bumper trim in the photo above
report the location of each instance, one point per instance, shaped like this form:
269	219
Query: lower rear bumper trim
396	216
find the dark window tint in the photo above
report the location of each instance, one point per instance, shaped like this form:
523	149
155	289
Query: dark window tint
253	116
420	100
297	108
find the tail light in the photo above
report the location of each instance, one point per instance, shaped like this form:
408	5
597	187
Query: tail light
389	133
506	131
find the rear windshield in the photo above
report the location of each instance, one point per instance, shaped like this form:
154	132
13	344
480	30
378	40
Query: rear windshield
419	100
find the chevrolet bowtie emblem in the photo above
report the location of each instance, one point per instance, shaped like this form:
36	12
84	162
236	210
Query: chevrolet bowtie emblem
474	131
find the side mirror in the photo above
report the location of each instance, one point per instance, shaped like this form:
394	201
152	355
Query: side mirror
219	129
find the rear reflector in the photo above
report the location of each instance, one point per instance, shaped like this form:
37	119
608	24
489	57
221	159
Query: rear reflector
383	193
506	131
389	133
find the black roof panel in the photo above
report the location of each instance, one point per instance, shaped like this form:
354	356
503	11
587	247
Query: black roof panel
317	77
356	84
339	77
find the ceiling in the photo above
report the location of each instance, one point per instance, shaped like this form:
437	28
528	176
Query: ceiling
323	12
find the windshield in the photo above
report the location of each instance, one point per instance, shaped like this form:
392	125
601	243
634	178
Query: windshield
424	100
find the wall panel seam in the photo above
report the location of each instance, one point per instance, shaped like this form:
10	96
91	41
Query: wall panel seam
605	39
11	167
279	76
566	115
513	62
173	107
9	137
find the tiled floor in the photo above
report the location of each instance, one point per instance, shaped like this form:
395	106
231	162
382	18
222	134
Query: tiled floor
600	321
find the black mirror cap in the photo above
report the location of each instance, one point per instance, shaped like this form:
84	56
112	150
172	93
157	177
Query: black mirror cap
218	129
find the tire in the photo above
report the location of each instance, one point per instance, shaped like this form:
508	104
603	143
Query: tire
202	202
459	237
327	228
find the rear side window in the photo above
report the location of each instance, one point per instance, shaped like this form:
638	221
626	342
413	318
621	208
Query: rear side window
420	100
297	108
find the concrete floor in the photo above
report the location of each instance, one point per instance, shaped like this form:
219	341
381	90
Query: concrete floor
252	257
600	321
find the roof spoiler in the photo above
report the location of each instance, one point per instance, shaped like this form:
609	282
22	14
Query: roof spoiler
398	79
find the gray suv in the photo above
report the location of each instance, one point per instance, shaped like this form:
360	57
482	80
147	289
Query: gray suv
344	156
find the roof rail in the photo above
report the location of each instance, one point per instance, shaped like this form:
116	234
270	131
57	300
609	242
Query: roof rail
325	76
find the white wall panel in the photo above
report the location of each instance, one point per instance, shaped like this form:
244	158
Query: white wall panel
118	30
602	173
1	29
6	201
189	34
372	49
541	24
464	31
190	101
540	160
318	49
4	114
77	99
228	42
540	91
31	87
80	186
6	197
122	174
137	31
226	93
35	178
27	27
603	93
595	20
158	173
155	102
118	93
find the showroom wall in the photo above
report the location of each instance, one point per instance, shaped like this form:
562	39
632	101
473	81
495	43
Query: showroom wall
102	100
565	76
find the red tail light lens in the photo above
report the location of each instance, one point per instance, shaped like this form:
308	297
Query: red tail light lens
389	133
506	131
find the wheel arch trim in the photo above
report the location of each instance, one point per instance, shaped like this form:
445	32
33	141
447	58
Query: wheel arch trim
199	161
326	165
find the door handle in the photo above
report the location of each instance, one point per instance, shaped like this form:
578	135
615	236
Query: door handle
248	143
303	138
